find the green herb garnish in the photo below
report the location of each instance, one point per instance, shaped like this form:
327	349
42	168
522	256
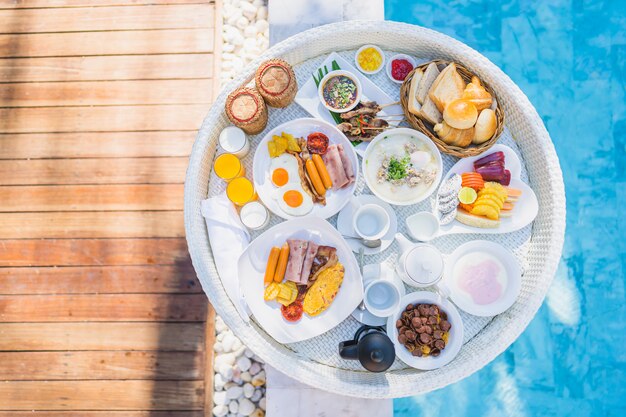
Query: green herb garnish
398	168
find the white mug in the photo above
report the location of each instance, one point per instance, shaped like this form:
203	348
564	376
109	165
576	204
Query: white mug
371	221
382	296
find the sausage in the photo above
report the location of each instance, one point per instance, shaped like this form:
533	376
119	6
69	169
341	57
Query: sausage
281	267
315	177
272	261
321	169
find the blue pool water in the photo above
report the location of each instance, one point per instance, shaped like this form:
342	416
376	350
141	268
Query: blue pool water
569	57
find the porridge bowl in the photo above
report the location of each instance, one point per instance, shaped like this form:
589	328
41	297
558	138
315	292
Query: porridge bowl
402	166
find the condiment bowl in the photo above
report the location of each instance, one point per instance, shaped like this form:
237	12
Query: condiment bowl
455	338
398	56
348	74
356	59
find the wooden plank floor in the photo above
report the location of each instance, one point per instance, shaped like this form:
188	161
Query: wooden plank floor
100	310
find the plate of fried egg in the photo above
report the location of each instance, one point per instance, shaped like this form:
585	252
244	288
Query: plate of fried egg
305	167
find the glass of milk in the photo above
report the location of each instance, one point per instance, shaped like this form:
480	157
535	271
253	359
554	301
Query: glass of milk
233	140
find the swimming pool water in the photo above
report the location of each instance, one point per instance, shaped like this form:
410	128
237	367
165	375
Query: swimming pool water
569	57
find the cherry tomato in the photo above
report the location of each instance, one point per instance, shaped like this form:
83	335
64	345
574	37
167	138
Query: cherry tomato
292	312
317	142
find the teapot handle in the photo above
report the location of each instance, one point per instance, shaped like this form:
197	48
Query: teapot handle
350	348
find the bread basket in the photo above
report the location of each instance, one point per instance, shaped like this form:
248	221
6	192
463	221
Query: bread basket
426	128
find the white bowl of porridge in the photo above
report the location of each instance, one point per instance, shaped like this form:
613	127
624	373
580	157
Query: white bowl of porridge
402	166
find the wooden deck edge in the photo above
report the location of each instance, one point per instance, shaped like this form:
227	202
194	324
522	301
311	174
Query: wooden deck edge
209	341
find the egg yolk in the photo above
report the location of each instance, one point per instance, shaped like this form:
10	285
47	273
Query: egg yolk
293	198
280	177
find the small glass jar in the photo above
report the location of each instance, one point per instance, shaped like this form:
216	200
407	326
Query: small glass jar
254	215
233	140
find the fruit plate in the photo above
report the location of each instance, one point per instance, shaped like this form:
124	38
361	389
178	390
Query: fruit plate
252	265
525	209
335	199
308	98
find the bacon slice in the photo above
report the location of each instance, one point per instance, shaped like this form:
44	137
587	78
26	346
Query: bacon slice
334	166
347	164
297	250
308	263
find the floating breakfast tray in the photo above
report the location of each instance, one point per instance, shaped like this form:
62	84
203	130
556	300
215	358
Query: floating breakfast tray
537	247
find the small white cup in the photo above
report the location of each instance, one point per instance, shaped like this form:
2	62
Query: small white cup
423	226
233	140
381	297
371	221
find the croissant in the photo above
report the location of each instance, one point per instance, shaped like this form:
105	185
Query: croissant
477	94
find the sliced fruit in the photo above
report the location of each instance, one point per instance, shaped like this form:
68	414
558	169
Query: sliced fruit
513	192
467	195
473	180
271	292
466	207
487	211
476	221
493	198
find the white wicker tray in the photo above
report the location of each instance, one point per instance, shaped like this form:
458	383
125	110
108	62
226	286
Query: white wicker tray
316	362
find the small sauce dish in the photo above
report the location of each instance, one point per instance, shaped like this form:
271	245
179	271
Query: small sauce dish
339	91
368	55
405	71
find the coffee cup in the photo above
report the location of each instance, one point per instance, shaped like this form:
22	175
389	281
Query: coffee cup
382	296
371	221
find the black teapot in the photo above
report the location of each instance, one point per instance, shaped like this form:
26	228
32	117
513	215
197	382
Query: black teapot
372	347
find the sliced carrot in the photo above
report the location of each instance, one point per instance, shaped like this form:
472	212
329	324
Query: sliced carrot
466	207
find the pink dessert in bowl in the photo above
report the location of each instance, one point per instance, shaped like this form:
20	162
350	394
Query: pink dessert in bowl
482	278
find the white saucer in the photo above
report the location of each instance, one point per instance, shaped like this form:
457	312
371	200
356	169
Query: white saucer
344	223
370	272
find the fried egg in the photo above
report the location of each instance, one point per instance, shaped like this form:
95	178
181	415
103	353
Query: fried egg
284	170
293	200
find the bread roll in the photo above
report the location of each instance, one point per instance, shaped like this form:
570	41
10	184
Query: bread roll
455	137
485	126
460	114
477	94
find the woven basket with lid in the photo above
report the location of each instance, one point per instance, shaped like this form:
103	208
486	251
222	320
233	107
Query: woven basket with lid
426	128
246	109
276	82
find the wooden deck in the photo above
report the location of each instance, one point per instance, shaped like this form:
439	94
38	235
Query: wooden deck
100	311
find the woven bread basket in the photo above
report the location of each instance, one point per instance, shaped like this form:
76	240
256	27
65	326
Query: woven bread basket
277	94
426	128
254	123
543	250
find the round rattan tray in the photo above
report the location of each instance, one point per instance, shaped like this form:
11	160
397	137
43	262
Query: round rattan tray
314	362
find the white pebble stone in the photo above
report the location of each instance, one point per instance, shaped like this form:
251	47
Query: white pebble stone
233	406
248	353
234	17
249	44
220	410
225	358
258	2
248	10
258	413
263	403
246	407
226	371
228	48
261	25
248	390
256	396
250	31
218	382
238	39
220	336
218	347
242	22
243	363
258	359
246	377
220	326
230	384
259	379
219	397
261	13
255	368
234	392
229	338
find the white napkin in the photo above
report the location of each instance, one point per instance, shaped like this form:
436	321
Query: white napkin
228	237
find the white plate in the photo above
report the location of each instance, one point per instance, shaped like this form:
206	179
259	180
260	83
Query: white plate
525	209
307	96
252	269
455	341
344	223
403	131
335	200
462	300
372	272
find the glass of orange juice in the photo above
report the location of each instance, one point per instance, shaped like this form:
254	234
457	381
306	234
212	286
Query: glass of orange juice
227	166
240	191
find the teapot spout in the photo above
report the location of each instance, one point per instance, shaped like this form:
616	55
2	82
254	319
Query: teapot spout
403	241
